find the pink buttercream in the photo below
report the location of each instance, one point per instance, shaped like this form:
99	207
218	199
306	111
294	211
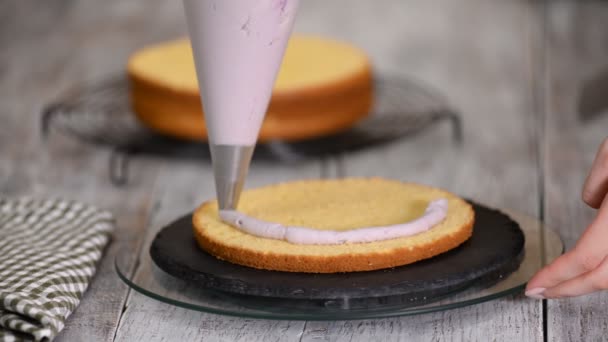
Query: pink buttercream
434	214
238	47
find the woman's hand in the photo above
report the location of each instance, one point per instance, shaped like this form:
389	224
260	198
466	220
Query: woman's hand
584	269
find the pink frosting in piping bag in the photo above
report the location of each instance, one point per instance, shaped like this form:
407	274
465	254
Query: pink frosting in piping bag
238	47
434	214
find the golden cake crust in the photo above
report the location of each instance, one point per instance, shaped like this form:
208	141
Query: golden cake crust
297	110
329	258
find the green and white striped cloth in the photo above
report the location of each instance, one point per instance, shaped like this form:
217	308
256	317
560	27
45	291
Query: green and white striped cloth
48	253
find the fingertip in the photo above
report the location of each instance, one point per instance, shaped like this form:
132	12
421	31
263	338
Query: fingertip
542	278
562	268
536	281
536	293
588	197
531	282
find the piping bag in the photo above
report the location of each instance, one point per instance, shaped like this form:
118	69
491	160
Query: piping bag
238	47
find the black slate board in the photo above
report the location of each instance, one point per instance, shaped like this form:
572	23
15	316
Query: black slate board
495	250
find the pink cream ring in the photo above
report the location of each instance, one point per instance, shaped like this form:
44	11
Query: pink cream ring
434	214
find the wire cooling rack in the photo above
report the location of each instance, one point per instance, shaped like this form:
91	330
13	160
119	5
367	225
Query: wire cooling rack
100	114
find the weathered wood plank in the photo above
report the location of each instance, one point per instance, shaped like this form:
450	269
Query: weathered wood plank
63	43
99	312
481	54
58	167
468	49
89	40
133	24
146	319
576	53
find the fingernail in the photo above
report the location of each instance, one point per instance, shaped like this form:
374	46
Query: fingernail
536	293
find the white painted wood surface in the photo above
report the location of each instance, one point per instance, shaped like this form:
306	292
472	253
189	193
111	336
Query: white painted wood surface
498	119
487	70
145	319
487	56
576	53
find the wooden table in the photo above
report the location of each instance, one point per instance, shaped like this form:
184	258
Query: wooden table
513	68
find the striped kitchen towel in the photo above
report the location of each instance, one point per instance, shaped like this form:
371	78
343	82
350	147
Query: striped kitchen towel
48	253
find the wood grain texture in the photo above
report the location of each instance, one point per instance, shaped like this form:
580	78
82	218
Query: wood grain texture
64	43
482	55
145	319
485	55
107	46
86	40
58	167
576	53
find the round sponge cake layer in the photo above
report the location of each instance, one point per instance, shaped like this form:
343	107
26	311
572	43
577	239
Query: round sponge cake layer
323	87
334	205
